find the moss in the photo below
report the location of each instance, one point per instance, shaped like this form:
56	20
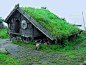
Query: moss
56	26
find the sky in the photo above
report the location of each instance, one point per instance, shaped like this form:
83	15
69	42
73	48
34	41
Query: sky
69	9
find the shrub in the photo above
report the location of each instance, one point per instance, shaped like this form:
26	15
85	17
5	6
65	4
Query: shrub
83	44
33	43
55	47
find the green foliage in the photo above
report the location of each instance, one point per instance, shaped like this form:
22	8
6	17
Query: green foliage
65	54
2	56
31	42
32	46
71	45
84	33
6	60
66	47
17	41
55	47
1	19
3	33
83	44
44	46
56	26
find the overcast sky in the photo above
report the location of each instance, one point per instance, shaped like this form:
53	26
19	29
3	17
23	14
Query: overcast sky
71	10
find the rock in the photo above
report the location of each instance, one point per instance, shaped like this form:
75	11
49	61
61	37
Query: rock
3	50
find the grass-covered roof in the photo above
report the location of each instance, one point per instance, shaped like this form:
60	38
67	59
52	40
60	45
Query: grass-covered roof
56	26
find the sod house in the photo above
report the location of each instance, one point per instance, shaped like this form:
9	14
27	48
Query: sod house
34	24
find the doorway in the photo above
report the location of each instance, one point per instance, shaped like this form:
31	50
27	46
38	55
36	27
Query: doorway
17	26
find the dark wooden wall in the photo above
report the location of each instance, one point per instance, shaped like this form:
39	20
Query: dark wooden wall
30	31
1	25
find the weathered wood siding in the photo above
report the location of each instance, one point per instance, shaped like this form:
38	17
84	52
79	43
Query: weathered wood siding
1	25
37	33
12	20
30	31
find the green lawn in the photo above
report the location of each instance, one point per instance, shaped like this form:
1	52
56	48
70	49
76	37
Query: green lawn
3	33
6	60
67	55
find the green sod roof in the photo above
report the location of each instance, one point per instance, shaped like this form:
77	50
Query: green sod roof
56	26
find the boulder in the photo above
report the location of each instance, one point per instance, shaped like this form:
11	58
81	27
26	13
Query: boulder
3	50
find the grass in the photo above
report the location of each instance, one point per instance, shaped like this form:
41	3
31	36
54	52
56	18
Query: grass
1	20
67	55
84	44
66	47
56	26
55	48
6	60
3	33
72	57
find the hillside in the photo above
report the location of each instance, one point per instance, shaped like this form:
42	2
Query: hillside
56	26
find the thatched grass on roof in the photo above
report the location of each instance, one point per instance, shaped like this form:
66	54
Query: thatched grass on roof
56	26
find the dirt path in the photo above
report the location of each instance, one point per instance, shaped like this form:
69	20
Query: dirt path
10	47
25	53
30	56
14	49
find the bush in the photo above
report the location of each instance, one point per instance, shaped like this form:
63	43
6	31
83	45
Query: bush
33	43
44	46
3	33
55	47
83	44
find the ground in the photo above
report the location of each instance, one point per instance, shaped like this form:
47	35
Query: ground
29	56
